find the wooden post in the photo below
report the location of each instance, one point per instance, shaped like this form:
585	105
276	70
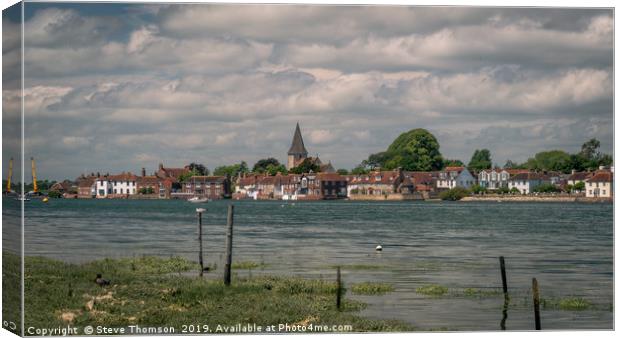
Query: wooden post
229	239
199	212
535	295
338	288
502	266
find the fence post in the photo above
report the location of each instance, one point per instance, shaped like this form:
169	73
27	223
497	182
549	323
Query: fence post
502	266
535	295
199	212
338	288
229	240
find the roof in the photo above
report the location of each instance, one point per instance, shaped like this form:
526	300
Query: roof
86	182
377	177
148	180
457	169
175	172
517	171
119	177
208	179
297	146
331	177
602	176
580	176
420	177
528	177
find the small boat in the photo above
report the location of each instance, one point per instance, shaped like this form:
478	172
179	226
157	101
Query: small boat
198	200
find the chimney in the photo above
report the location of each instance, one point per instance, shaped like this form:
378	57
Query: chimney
143	172
573	171
98	174
601	167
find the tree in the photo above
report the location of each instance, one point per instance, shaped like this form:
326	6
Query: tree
478	189
480	160
556	160
514	190
415	150
306	166
579	186
359	170
342	171
54	194
199	168
274	169
503	190
261	165
512	165
454	194
453	163
589	150
546	188
185	176
231	170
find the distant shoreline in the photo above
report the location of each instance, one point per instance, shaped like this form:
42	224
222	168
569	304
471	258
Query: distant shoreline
543	199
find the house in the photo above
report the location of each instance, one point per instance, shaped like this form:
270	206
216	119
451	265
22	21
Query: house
452	177
120	185
416	181
600	185
175	173
65	186
374	183
332	186
493	179
577	177
246	187
212	187
154	185
286	186
86	186
527	182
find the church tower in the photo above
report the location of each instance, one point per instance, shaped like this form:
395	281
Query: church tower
297	152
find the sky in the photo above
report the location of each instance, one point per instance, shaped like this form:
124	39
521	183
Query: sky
117	87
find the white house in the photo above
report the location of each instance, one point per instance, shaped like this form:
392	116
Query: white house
527	182
453	177
123	184
600	185
493	179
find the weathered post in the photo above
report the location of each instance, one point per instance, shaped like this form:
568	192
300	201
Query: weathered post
338	288
502	266
229	239
199	212
535	295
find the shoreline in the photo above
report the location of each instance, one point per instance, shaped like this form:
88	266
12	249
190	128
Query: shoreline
540	199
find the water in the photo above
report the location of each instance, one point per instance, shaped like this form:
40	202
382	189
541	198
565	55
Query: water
568	247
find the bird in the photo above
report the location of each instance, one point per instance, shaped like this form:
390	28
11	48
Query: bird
100	281
379	248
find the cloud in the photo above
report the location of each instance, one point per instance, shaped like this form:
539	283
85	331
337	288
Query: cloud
223	83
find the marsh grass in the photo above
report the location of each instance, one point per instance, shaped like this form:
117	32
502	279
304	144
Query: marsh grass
371	288
148	291
358	267
566	304
480	293
245	265
432	290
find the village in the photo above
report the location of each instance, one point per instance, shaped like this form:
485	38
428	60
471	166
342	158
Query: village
327	184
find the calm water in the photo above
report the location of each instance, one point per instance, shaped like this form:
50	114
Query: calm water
567	247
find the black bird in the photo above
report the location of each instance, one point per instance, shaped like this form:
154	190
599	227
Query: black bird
100	281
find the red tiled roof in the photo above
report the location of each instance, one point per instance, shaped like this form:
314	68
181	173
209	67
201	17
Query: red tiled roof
580	176
457	169
517	171
602	176
119	177
528	176
330	177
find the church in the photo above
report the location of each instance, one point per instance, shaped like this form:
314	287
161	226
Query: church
297	153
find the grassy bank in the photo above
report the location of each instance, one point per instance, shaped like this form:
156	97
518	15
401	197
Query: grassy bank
154	292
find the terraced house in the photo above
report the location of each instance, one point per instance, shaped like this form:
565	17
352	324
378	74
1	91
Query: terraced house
600	185
211	187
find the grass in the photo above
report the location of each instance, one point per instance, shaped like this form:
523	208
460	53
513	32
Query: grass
148	291
358	267
481	293
11	290
371	288
567	304
244	265
432	290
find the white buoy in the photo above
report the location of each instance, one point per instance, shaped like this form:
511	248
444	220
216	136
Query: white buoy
379	248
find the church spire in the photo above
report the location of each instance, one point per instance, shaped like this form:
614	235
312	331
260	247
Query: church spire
297	146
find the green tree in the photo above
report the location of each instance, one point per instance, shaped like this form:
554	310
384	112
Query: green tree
454	194
557	160
481	159
199	168
342	171
503	190
514	190
274	169
579	186
546	188
416	150
477	189
185	176
54	194
359	170
261	165
231	170
306	166
512	165
453	163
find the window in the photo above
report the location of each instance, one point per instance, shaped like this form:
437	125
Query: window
603	191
